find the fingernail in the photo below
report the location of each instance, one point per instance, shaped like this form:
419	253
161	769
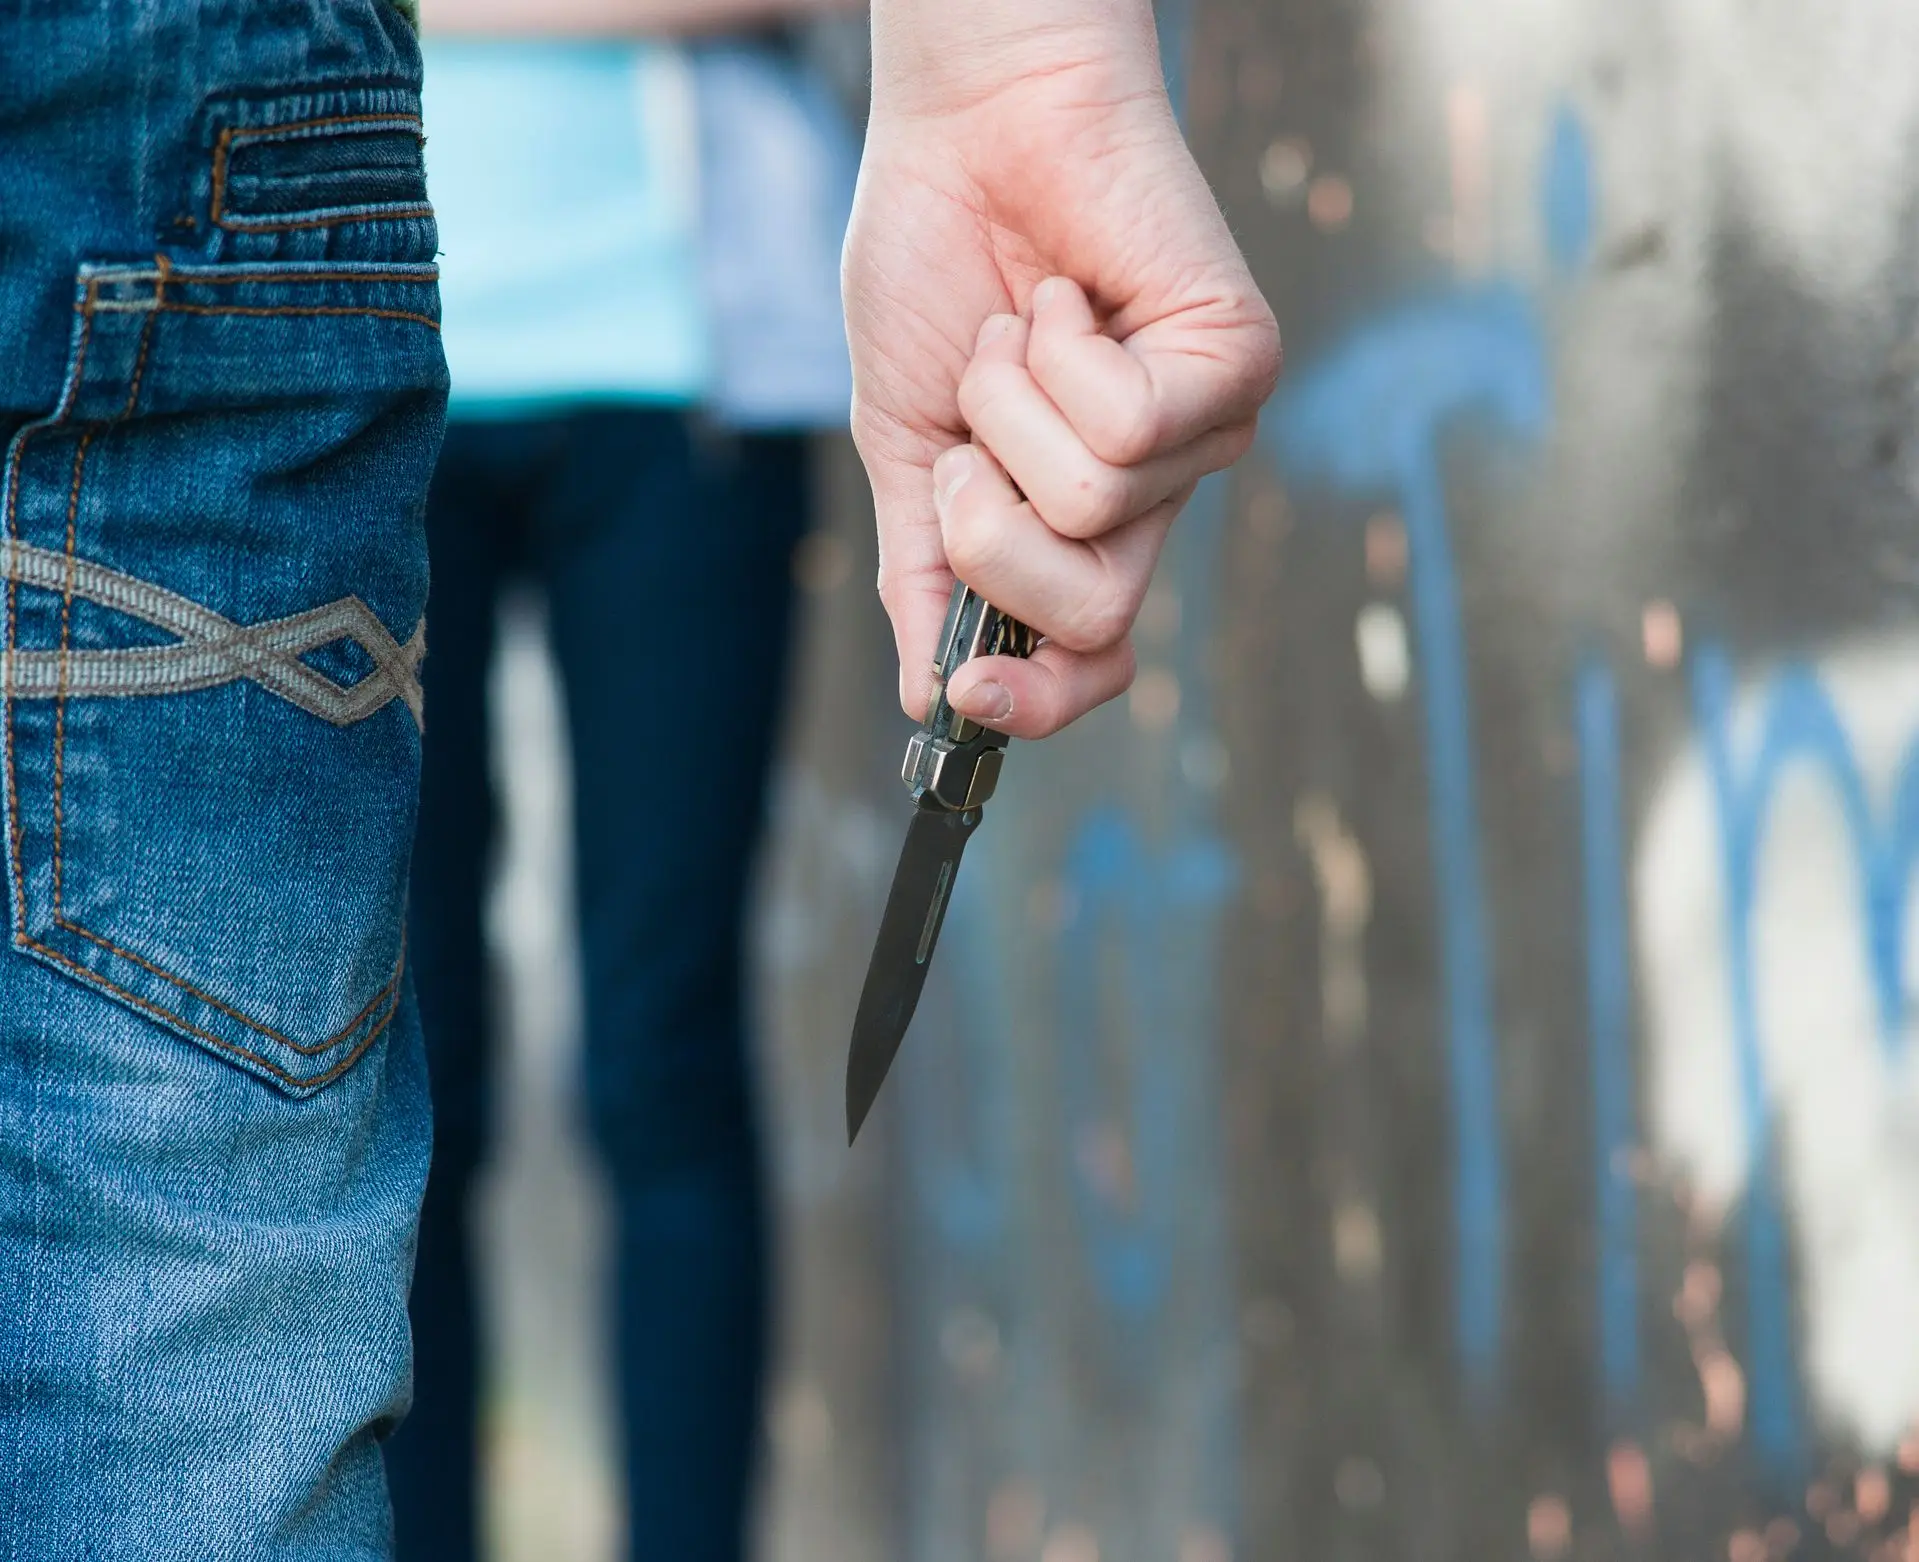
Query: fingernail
994	328
986	702
950	473
1046	294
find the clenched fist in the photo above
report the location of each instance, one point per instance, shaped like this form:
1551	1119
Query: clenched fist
1054	337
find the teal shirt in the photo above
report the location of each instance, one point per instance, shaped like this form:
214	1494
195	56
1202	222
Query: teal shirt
565	178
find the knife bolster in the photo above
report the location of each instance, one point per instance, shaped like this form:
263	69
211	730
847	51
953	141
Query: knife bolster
958	776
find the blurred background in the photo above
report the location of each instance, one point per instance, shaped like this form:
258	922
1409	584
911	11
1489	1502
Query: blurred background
1427	1074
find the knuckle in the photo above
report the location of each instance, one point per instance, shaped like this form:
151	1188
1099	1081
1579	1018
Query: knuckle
1100	623
1128	432
1265	357
971	535
895	598
1050	358
1093	502
912	696
984	388
1044	710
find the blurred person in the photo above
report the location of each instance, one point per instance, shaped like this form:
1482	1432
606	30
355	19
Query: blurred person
221	388
642	322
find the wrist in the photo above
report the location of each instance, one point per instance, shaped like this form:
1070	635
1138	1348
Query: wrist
936	57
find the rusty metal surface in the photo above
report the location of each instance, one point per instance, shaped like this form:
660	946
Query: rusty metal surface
1443	1090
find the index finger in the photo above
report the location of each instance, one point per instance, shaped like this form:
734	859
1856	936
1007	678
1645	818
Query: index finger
914	579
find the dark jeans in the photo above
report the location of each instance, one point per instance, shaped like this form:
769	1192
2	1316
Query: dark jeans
665	552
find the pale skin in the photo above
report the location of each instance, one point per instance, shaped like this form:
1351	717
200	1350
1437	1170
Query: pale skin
1054	336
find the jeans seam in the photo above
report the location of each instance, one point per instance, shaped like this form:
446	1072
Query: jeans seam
66	596
341	216
312	1082
305	1049
264	310
65	410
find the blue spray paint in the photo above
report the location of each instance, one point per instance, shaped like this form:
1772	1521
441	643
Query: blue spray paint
1116	887
1368	422
1609	1027
1568	201
1797	724
962	1168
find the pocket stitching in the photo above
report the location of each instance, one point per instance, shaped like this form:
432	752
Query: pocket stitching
311	1082
387	994
264	311
337	216
66	601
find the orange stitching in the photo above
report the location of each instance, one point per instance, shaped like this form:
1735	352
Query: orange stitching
313	1083
220	151
223	150
234	133
298	309
66	601
305	1049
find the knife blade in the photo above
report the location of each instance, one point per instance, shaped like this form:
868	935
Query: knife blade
952	767
915	909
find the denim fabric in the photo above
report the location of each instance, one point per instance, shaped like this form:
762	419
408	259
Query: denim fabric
221	390
665	553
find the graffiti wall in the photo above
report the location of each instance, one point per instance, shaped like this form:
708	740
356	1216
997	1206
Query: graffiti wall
1427	1075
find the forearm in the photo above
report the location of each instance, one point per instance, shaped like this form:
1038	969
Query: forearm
610	18
935	55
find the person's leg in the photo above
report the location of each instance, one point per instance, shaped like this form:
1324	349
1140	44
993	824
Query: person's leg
671	600
212	1111
478	491
223	388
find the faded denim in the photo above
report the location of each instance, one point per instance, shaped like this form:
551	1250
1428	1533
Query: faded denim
221	390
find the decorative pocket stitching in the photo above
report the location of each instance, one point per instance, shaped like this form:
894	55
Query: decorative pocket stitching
267	654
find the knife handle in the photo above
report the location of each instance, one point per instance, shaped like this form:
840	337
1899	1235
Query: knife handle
951	761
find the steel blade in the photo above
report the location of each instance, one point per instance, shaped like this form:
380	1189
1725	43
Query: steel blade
915	908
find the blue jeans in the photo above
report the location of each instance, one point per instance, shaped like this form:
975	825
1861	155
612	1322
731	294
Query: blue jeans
665	552
221	392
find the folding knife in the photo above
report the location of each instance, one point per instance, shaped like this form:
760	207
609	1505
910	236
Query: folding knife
952	767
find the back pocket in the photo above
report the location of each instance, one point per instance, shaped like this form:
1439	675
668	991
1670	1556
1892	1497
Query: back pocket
215	579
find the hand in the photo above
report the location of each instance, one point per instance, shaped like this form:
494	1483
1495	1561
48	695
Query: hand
1054	338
